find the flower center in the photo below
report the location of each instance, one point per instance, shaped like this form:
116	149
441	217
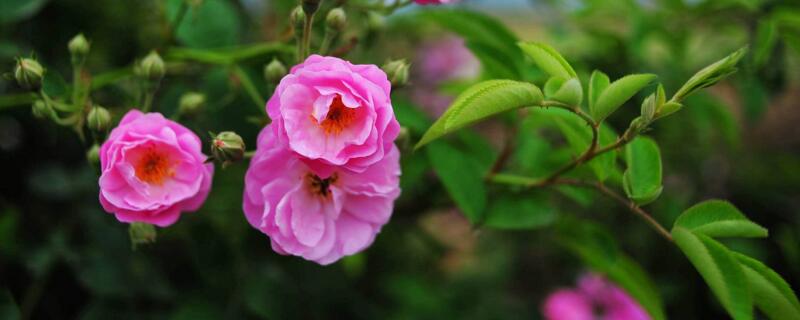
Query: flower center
153	167
339	117
320	187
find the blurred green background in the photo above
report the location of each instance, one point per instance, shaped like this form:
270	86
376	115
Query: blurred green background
62	257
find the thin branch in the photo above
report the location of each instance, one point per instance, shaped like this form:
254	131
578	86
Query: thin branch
250	88
590	152
630	205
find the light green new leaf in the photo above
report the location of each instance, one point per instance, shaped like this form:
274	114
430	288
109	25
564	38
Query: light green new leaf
771	294
720	270
570	93
597	84
717	218
552	85
548	59
481	101
514	213
617	93
461	177
642	179
710	75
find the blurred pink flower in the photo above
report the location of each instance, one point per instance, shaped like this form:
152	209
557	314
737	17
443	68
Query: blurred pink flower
439	61
593	294
319	219
334	114
425	2
152	170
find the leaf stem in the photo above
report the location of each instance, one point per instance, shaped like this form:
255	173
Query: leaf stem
250	88
306	44
590	152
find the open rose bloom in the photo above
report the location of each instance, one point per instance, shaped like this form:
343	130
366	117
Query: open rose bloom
594	298
334	115
319	219
152	170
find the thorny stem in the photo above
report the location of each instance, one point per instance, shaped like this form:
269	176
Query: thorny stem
599	186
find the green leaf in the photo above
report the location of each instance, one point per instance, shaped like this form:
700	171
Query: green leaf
462	178
16	10
213	24
766	38
617	93
642	179
717	218
710	75
720	270
570	93
552	85
597	84
481	101
771	294
548	59
529	212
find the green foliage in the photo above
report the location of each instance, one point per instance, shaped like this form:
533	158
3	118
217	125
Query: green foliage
579	137
616	93
15	10
642	179
710	75
598	83
717	218
212	24
481	101
570	93
462	178
533	211
548	59
491	42
737	280
720	270
771	294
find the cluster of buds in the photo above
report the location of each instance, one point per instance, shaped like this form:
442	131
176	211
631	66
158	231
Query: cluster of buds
151	67
274	72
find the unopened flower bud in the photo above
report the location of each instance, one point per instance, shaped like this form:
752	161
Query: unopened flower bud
93	155
298	18
310	6
141	233
336	19
403	140
274	71
29	74
41	110
375	21
79	48
397	72
191	103
152	67
98	119
227	147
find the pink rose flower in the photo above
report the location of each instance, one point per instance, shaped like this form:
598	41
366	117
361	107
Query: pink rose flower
152	170
425	2
334	114
319	219
594	293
